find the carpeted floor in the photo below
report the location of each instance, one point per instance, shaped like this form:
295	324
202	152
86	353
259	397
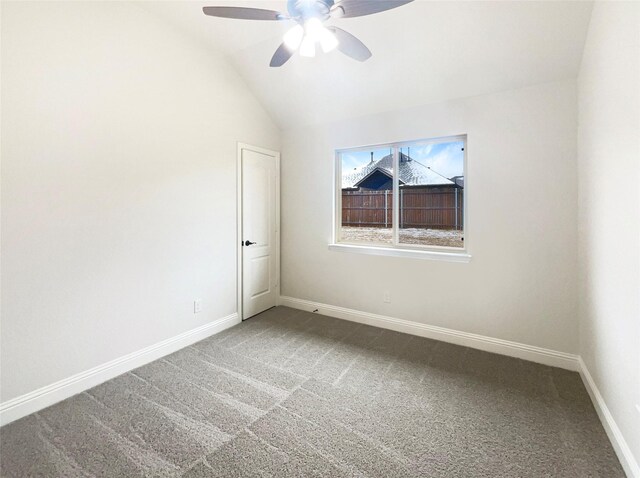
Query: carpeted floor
290	393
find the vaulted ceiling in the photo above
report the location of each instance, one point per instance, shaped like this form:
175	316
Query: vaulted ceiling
423	52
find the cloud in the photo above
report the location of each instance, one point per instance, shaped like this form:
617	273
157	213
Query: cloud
444	158
421	151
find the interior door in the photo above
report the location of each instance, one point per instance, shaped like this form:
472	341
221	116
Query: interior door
259	247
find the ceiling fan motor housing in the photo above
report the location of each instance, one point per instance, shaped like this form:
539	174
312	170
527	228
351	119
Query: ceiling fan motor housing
304	9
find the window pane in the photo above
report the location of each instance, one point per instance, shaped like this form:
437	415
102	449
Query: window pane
367	196
431	196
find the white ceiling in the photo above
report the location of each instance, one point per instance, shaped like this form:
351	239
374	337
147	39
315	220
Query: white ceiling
423	52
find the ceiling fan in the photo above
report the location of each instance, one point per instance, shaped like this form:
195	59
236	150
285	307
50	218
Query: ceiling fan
310	16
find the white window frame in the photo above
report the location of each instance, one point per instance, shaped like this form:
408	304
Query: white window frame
447	253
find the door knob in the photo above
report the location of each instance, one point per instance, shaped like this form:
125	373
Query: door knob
248	243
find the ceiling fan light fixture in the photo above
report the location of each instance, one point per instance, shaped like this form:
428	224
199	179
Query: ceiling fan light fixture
308	46
293	38
328	41
313	28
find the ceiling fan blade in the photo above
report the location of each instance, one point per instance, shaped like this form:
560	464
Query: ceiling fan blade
281	56
359	8
350	45
243	13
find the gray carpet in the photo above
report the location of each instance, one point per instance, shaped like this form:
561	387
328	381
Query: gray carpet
290	393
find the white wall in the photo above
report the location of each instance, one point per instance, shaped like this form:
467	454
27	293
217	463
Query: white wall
522	192
609	204
118	185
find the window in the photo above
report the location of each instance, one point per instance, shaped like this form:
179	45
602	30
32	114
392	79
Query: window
406	196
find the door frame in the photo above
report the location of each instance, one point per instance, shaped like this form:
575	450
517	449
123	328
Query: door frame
239	238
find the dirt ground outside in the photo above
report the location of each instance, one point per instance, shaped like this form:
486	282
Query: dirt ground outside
423	237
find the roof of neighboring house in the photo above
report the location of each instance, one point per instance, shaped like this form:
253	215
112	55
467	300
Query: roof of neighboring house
459	180
412	173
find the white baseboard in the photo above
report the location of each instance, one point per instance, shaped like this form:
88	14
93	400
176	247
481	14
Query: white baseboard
46	396
620	446
489	344
481	342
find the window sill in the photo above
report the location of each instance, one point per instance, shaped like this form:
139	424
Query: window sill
393	252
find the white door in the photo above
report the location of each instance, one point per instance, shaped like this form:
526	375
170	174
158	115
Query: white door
259	234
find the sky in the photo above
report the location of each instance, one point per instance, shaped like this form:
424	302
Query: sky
444	158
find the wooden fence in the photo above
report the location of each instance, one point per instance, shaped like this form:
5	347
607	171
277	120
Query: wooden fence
426	208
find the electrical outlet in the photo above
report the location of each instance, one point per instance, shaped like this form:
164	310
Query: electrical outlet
197	306
386	297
